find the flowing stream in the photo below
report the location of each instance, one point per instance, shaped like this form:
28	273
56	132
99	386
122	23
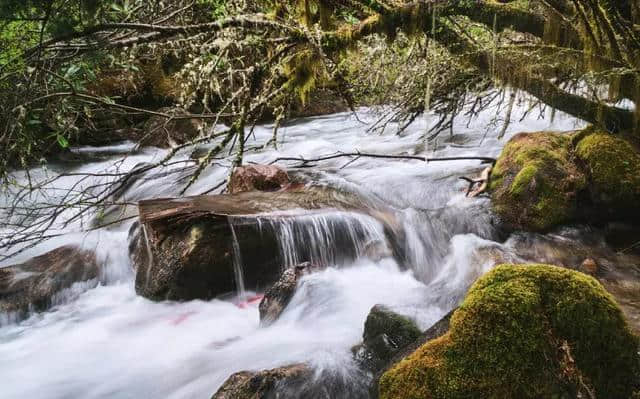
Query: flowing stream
104	341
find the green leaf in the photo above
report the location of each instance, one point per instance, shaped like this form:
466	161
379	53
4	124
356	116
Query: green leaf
62	141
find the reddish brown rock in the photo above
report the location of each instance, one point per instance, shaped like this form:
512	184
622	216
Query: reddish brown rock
32	285
258	177
589	266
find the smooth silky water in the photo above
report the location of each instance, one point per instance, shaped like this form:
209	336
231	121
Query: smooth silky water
104	341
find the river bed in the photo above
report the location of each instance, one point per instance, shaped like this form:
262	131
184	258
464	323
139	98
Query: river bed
107	342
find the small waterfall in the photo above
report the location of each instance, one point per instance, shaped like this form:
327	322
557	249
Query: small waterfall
326	238
237	261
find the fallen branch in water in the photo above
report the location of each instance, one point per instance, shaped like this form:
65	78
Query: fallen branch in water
305	162
482	182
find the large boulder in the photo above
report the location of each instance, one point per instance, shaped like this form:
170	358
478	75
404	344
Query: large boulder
34	284
258	177
292	382
525	332
545	179
196	247
277	297
613	165
534	183
385	334
194	254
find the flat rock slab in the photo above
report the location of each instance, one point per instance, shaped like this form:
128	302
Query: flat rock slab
246	203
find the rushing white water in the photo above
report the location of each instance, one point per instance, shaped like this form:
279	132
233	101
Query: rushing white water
106	342
326	238
238	272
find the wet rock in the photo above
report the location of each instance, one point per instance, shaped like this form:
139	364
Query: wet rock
292	382
192	257
320	102
277	298
262	384
258	177
385	334
525	332
377	250
34	284
190	248
589	266
623	237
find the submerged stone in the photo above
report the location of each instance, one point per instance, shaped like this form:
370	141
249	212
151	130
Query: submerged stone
525	332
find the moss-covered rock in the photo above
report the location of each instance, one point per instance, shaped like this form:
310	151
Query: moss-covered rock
614	168
385	334
545	179
534	183
525	332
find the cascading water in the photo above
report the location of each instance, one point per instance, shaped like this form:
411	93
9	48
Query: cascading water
238	273
108	342
325	238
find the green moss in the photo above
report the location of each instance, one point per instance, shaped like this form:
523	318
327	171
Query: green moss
525	332
614	167
384	321
523	179
534	182
385	333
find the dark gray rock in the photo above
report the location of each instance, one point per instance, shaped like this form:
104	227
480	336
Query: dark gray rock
435	331
277	297
385	333
33	285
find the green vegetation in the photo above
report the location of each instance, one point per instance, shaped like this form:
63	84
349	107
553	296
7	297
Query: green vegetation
246	61
525	332
77	72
